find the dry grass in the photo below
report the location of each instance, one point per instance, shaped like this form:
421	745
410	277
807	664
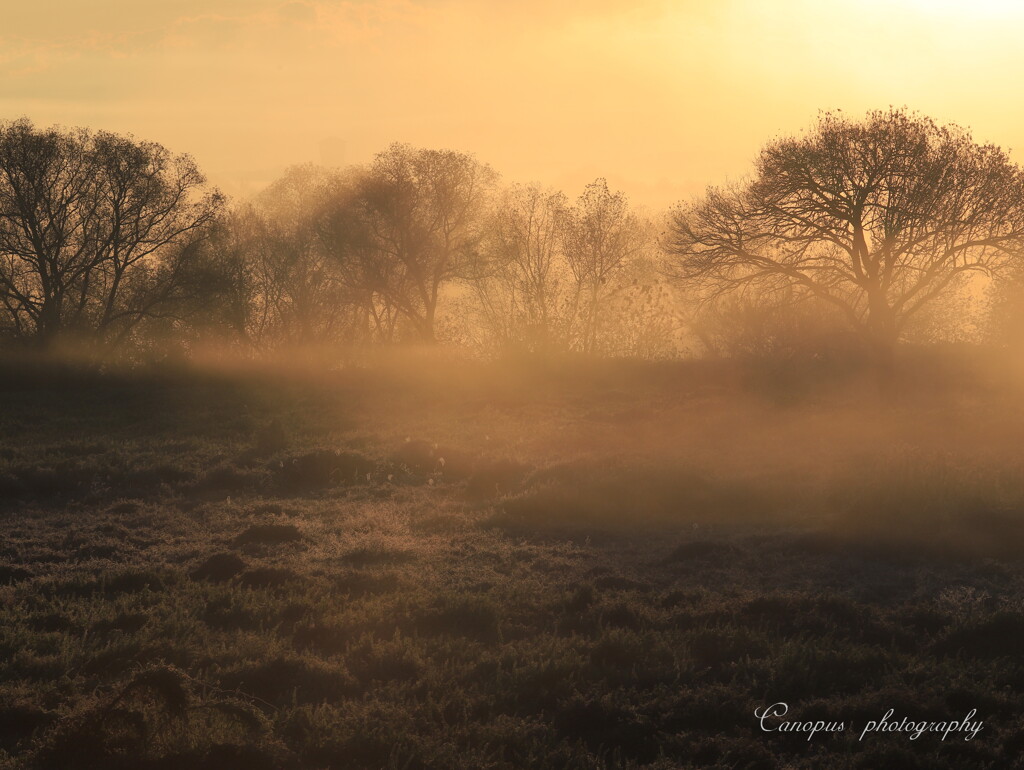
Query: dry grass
591	566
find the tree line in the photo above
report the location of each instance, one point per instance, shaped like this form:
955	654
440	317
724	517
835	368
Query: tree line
861	233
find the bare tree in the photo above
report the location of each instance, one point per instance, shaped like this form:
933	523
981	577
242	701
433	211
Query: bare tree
877	218
572	278
345	231
526	295
422	211
95	230
298	297
602	239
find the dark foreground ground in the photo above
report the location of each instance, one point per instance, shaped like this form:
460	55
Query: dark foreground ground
575	567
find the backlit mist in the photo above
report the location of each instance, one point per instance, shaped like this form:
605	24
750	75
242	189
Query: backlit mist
661	98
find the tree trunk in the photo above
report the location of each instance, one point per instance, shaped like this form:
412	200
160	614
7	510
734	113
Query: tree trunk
49	321
426	326
882	337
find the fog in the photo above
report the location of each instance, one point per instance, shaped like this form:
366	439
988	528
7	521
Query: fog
660	98
484	386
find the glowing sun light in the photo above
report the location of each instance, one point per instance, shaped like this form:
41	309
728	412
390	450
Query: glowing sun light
971	8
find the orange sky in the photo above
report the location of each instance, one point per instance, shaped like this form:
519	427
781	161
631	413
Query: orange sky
662	98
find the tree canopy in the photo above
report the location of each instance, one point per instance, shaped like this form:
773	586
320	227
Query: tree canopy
876	217
95	230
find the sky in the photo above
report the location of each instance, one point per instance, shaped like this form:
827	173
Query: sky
661	98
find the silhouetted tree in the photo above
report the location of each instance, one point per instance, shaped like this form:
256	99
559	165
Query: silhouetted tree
422	211
783	324
1004	321
876	218
602	239
297	278
526	294
344	228
96	231
572	278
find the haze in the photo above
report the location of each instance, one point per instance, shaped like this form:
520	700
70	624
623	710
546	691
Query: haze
661	98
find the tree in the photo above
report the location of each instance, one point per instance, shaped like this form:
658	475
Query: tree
769	325
572	278
96	231
525	292
301	298
602	238
422	211
1003	324
345	230
876	218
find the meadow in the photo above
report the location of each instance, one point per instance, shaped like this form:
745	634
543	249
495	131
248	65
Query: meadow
425	563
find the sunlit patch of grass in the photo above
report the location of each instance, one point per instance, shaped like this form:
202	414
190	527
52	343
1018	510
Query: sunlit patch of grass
547	602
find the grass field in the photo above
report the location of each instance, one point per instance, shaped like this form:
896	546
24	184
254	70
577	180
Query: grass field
453	565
